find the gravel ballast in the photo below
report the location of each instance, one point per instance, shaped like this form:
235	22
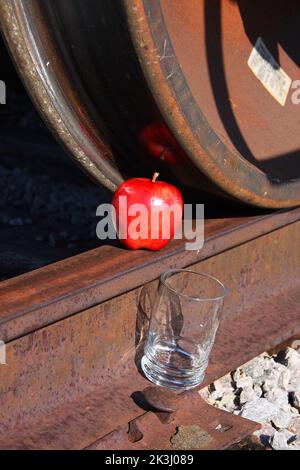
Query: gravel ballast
265	390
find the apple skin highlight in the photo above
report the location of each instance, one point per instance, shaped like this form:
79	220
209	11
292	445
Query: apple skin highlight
153	195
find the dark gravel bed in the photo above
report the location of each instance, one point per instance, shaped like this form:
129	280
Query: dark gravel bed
47	205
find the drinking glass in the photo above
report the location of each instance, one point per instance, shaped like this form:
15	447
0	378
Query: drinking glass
184	320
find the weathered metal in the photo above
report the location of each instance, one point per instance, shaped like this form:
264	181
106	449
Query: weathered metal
72	377
194	426
194	56
74	330
54	89
102	72
44	296
161	399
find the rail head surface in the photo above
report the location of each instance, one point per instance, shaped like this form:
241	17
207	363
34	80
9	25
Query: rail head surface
41	297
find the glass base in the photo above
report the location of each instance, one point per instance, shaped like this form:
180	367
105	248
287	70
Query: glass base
170	378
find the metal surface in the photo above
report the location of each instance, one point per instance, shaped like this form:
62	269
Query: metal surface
92	384
195	426
50	415
55	90
79	66
226	122
44	296
161	399
103	72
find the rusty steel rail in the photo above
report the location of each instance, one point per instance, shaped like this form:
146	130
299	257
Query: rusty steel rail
72	373
52	293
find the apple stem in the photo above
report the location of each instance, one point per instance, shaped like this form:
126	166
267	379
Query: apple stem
155	176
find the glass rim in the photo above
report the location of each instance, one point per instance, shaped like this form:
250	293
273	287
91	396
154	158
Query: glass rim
165	275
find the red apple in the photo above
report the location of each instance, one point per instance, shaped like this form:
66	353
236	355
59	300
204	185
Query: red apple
148	212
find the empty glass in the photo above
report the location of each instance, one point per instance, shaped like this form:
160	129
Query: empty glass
184	321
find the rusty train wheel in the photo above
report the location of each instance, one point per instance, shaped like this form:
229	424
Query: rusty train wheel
56	93
102	71
231	127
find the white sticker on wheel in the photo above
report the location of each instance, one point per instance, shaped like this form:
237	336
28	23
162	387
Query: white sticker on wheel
269	72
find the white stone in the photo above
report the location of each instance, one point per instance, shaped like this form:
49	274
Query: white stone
290	436
204	393
259	410
215	394
271	364
277	396
213	397
269	384
222	407
289	409
273	373
296	345
277	365
291	358
294	381
247	394
279	441
226	381
282	419
238	374
294	426
244	382
227	401
284	379
265	390
255	368
222	385
258	390
296	399
265	433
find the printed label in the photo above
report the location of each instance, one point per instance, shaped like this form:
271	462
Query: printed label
269	73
